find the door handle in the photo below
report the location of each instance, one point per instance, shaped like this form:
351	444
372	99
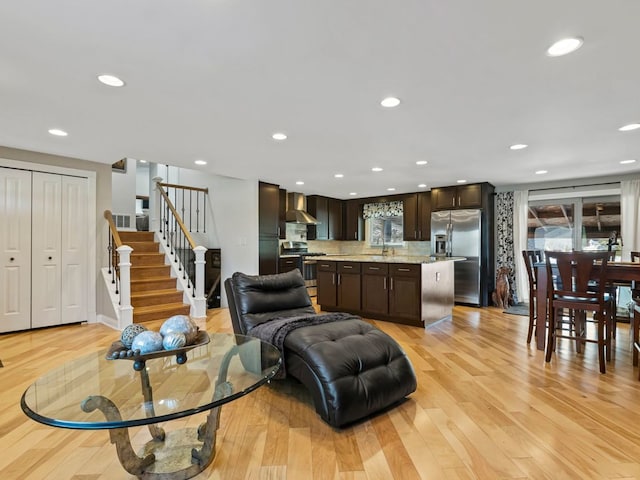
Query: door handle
338	279
391	284
385	283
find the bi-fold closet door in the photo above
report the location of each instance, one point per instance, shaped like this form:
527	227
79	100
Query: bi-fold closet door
44	245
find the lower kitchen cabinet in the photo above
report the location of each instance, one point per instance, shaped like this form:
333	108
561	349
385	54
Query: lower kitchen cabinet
338	285
405	293
375	288
287	264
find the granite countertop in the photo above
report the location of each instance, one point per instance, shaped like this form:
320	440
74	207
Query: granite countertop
388	258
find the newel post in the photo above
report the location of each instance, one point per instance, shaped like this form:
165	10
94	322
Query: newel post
200	301
154	208
126	310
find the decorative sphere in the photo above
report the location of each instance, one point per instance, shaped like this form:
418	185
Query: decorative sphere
180	324
174	340
130	332
147	342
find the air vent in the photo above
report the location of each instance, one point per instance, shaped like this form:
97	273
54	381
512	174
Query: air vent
122	221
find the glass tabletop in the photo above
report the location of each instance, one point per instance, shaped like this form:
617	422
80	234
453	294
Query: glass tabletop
226	368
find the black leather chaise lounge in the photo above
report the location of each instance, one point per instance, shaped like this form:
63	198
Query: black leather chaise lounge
351	368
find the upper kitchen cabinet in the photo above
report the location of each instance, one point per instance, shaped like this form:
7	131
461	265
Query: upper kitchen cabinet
268	209
460	196
353	221
282	214
417	216
328	212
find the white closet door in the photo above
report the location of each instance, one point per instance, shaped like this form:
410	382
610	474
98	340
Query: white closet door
15	245
74	249
46	249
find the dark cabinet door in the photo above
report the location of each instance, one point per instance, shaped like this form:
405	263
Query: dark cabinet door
353	222
326	284
443	198
410	217
469	196
268	205
268	255
290	263
375	288
282	214
349	285
334	208
404	293
424	216
317	206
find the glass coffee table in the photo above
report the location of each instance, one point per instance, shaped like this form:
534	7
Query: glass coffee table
95	392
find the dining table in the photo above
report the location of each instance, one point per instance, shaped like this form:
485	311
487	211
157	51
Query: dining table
615	272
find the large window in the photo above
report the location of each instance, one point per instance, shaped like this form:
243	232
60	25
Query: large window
574	224
385	231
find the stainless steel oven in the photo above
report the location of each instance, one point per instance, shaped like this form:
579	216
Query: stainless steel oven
308	262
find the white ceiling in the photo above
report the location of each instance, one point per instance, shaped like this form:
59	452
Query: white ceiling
213	79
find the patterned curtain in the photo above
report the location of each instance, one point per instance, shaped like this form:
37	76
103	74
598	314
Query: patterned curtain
504	238
377	210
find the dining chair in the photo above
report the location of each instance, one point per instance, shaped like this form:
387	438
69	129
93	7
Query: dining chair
579	280
531	257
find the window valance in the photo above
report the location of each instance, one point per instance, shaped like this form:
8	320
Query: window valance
377	210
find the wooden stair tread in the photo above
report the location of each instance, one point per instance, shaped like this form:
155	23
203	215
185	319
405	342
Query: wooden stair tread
152	279
160	308
151	293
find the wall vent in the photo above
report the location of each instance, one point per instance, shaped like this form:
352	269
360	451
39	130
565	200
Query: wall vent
122	221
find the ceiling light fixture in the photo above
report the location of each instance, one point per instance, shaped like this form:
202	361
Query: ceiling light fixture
461	181
279	136
390	102
628	128
626	162
353	193
422	185
518	146
299	182
376	169
57	132
565	46
110	80
200	162
391	189
338	175
541	172
421	162
143	161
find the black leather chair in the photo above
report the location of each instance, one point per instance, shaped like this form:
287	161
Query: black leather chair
351	368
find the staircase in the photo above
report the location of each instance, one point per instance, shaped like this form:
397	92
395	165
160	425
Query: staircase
154	295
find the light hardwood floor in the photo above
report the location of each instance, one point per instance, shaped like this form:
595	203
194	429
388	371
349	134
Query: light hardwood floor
487	407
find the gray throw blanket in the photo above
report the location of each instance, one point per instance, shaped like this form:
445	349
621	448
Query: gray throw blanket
275	331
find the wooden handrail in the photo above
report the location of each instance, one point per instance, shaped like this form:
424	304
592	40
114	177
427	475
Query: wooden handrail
195	189
175	214
112	227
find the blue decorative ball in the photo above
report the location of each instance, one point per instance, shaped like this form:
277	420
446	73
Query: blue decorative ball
147	342
180	324
130	332
174	340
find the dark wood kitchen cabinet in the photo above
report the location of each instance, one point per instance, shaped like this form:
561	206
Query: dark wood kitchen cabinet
328	212
282	214
405	293
392	291
268	216
458	196
417	216
353	221
287	264
338	285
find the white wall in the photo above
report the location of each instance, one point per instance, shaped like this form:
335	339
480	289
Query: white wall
123	192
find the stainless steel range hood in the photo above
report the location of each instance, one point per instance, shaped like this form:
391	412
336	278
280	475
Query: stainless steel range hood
297	210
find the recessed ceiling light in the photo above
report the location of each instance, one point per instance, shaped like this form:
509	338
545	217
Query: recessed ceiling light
541	172
57	132
625	162
518	146
338	175
390	102
461	181
299	182
111	80
376	169
200	162
391	189
353	193
628	128
422	185
279	136
421	162
143	161
564	46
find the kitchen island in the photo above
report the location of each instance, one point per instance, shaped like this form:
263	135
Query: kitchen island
404	289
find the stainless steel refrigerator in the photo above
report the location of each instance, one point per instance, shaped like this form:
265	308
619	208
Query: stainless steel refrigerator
461	232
